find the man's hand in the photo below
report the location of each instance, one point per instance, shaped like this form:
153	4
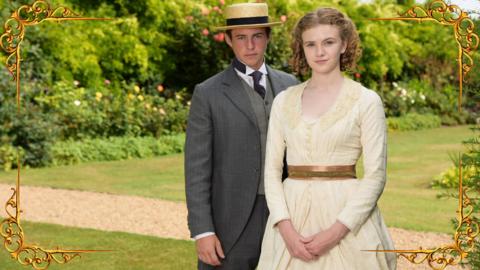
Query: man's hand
320	243
293	241
209	250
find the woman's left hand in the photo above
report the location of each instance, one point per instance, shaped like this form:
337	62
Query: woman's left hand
320	243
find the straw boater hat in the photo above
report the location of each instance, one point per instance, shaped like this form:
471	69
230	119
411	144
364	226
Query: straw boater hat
246	15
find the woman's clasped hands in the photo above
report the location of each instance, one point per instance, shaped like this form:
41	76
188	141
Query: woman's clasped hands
311	247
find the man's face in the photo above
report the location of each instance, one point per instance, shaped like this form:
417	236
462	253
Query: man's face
249	45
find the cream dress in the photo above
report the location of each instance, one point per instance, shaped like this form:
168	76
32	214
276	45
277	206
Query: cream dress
354	125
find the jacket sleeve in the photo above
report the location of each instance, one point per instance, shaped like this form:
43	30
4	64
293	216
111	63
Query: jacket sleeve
198	164
374	150
275	150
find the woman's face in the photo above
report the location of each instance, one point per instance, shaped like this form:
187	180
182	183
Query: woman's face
323	46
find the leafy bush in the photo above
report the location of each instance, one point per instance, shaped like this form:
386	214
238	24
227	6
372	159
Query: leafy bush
30	130
471	182
34	133
413	121
68	111
109	111
8	156
449	178
115	148
420	97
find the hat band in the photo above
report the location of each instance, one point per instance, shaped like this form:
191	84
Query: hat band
249	20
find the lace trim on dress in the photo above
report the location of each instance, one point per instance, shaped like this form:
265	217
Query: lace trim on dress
292	105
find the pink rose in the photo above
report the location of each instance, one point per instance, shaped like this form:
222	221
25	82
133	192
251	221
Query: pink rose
205	11
160	88
205	32
220	37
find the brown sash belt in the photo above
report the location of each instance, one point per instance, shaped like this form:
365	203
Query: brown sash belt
340	172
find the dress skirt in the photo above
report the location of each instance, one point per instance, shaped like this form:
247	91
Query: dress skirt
314	206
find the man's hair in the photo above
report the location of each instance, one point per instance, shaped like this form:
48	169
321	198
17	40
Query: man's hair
326	16
267	31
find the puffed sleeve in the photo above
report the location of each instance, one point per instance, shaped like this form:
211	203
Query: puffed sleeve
374	150
275	150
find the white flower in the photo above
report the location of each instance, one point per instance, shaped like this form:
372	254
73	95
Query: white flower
395	84
76	83
403	92
412	101
422	96
77	102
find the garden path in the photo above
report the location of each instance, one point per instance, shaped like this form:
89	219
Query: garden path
147	216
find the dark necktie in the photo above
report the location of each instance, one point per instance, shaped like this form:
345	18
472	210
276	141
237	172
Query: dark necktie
256	75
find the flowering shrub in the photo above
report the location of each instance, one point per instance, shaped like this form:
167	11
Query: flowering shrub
107	111
449	178
69	111
414	96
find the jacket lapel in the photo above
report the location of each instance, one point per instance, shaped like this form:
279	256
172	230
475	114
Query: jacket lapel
275	81
234	91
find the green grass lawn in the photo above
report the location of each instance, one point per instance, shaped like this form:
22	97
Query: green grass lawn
160	177
413	159
131	252
408	202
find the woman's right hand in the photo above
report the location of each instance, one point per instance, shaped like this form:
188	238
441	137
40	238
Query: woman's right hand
293	241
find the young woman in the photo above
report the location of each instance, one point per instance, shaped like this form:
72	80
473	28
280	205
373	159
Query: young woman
321	216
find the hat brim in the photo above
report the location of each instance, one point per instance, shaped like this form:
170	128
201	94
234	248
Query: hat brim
229	27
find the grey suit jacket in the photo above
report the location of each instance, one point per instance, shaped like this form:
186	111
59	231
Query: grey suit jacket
223	155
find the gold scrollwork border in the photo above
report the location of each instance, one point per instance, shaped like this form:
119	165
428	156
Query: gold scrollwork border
10	228
468	41
463	26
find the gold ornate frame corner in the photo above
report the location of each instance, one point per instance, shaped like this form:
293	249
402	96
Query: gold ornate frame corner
10	228
468	41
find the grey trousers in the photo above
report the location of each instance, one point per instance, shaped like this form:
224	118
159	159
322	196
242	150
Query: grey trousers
245	252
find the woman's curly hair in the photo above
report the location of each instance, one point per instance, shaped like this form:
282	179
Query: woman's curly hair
329	16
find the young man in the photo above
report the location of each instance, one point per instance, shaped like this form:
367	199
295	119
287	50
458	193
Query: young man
225	146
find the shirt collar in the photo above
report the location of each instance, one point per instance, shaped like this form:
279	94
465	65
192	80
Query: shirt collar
249	70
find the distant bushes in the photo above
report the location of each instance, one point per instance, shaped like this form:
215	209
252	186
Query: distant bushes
106	149
115	148
413	121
